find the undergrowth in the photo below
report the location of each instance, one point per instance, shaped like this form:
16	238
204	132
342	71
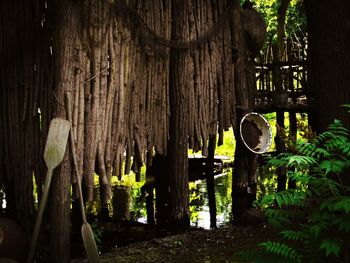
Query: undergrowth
314	218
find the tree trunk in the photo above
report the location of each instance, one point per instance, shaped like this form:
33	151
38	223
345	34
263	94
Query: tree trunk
329	56
160	171
150	196
210	180
278	49
178	145
66	24
244	171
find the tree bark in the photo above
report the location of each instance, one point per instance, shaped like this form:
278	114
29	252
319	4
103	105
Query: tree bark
281	26
278	49
65	32
178	144
244	170
329	57
210	180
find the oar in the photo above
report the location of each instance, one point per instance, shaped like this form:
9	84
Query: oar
86	230
53	155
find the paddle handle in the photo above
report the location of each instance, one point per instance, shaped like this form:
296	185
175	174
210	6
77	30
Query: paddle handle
40	215
82	207
76	168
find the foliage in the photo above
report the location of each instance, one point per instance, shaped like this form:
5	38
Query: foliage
295	19
229	144
315	216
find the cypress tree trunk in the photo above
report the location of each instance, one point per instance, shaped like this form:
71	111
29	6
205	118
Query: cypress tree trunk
178	145
210	180
65	33
277	81
329	56
243	166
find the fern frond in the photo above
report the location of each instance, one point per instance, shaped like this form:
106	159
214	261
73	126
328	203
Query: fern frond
320	204
293	235
282	250
305	148
342	223
343	204
333	166
290	198
278	222
300	161
320	153
335	144
328	204
278	161
288	214
347	106
325	187
267	201
299	176
316	229
332	246
338	128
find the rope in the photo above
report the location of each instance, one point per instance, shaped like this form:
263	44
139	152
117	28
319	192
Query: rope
222	23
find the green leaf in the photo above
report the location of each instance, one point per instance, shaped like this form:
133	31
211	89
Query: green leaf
347	106
332	246
293	235
321	153
282	250
343	223
279	200
343	205
300	161
315	230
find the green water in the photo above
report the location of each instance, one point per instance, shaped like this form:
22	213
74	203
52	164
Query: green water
125	203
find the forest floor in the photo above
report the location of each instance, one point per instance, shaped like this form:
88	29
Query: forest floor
197	245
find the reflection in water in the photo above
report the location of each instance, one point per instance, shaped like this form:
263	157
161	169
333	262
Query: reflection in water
199	204
124	205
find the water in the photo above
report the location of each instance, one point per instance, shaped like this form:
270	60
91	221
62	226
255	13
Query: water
125	203
199	203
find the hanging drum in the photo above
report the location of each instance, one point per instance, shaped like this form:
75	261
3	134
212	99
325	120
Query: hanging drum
255	132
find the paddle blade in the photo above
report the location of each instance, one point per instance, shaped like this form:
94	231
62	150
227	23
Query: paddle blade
89	243
56	142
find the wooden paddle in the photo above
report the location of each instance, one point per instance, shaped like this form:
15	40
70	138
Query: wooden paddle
86	231
53	155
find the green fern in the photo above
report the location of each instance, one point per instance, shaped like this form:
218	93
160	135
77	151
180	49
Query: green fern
331	246
315	216
342	223
294	235
282	250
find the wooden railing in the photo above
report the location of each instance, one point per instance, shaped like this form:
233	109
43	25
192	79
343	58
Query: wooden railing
292	72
